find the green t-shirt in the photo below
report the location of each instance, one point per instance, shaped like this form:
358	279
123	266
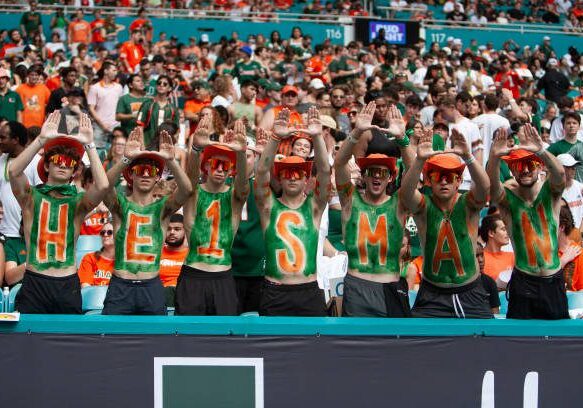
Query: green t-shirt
129	104
577	153
562	146
15	250
31	21
10	104
285	67
345	63
248	251
250	71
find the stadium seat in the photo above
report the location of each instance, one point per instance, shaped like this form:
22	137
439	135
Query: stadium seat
503	303
12	297
250	314
412	297
92	299
575	300
85	245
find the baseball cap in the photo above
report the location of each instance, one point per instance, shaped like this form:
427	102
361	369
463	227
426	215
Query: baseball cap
567	160
317	83
4	73
289	88
546	38
204	38
247	50
328	121
552	61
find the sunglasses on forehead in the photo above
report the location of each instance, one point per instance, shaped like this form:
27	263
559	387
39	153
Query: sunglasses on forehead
292	174
376	172
520	166
437	176
63	160
226	165
145	170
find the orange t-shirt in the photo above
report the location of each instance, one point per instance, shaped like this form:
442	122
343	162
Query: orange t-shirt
94	270
418	264
170	265
80	32
35	100
496	262
132	53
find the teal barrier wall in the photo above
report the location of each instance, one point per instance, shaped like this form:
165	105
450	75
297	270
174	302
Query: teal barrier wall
560	42
184	28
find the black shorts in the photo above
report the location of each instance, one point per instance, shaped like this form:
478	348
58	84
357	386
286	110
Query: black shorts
364	298
42	294
134	297
200	293
467	302
249	292
535	297
169	295
305	299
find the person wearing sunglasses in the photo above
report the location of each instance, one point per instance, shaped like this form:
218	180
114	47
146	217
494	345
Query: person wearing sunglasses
96	268
291	222
447	221
140	223
373	225
52	215
211	218
530	207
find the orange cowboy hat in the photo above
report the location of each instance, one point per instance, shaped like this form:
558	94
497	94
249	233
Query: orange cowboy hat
217	150
377	159
520	155
160	163
66	141
292	162
444	162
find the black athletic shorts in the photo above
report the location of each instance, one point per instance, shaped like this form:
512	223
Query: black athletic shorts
305	299
249	292
169	295
364	298
134	297
535	297
42	294
467	302
200	293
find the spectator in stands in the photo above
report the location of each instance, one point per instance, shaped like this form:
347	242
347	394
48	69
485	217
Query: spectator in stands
59	23
135	286
35	96
457	14
554	84
30	22
10	103
247	69
128	106
153	112
284	272
571	125
96	268
15	259
508	78
573	193
79	32
516	14
490	121
451	288
496	261
143	24
51	283
570	251
248	252
173	255
347	67
97	29
206	285
58	97
102	101
488	283
290	99
536	250
373	286
246	108
132	52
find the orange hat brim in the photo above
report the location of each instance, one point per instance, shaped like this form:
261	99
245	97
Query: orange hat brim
444	162
67	141
377	160
285	164
160	163
520	155
215	150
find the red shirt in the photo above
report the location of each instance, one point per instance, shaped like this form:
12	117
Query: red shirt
96	35
132	53
513	81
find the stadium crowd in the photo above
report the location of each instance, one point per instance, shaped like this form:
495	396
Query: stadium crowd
220	177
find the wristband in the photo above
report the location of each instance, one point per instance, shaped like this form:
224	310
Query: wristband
196	148
470	160
125	160
541	152
89	146
404	142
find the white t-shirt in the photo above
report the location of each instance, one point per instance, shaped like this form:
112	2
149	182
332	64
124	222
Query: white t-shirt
557	132
488	123
10	225
104	99
221	101
426	115
574	197
474	140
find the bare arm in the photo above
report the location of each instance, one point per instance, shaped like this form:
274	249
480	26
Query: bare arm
498	149
410	196
320	157
237	140
480	182
184	190
533	143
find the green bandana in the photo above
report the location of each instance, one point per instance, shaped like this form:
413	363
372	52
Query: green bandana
68	190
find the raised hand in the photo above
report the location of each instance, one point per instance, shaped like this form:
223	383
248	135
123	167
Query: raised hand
50	128
236	138
459	145
281	126
166	147
396	123
314	128
499	146
201	136
85	135
134	144
531	140
364	119
425	146
261	138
